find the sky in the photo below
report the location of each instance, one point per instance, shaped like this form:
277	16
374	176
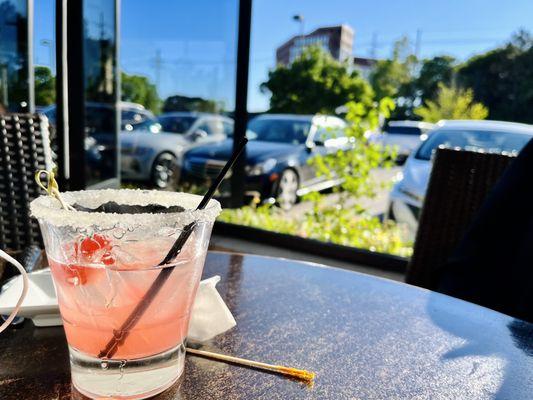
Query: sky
189	47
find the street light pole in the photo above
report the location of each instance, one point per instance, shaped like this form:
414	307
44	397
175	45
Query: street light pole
48	43
300	18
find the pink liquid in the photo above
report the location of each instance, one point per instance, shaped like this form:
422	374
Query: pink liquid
97	294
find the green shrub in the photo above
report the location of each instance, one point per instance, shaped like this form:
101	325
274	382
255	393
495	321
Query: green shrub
346	227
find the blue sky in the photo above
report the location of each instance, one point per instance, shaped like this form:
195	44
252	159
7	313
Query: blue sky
189	47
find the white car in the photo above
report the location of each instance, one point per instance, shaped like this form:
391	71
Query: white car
404	135
407	195
155	157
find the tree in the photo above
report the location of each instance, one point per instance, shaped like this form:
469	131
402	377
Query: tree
186	103
435	70
503	79
45	86
391	74
452	103
314	83
393	78
138	89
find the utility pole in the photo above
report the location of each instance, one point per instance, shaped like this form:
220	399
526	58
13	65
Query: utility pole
50	44
374	45
158	63
300	18
418	43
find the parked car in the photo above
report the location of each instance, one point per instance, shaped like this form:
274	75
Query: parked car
133	116
100	141
277	156
408	193
404	135
156	158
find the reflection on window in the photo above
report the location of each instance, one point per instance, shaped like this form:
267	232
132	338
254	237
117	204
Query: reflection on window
100	92
178	60
278	130
14	90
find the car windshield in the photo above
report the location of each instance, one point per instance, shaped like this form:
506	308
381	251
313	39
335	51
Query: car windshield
278	130
487	141
176	124
403	130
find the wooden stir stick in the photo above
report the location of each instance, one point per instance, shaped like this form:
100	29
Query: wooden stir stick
292	372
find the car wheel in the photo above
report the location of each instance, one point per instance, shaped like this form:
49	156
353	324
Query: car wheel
287	189
165	172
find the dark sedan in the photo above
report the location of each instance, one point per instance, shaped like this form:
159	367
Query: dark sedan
277	156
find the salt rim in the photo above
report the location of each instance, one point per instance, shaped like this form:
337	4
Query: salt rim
48	209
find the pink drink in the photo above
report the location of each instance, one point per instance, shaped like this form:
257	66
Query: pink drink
96	296
103	264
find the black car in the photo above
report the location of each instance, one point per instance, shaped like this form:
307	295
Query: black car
277	156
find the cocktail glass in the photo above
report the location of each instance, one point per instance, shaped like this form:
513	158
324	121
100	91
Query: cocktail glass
103	265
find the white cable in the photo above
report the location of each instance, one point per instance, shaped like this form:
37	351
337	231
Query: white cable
25	286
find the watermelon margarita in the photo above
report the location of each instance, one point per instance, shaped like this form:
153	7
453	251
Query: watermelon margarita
102	265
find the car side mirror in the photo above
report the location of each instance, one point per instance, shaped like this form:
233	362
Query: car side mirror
401	159
309	146
198	134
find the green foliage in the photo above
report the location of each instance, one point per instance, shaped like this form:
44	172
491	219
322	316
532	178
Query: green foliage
343	222
452	103
346	227
394	78
186	103
45	86
434	71
314	83
354	165
502	79
390	76
138	89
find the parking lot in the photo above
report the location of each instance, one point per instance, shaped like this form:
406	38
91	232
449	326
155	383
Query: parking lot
376	206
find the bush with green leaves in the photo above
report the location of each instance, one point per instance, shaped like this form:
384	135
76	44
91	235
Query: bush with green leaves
346	227
452	103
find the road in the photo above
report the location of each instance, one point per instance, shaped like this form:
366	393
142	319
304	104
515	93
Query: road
376	206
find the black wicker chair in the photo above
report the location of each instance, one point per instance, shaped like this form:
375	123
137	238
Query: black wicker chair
24	149
459	183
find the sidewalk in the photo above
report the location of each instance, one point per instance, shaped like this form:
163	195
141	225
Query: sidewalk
243	246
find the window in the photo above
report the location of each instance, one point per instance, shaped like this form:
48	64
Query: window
14	57
212	126
488	141
176	124
403	130
279	130
228	128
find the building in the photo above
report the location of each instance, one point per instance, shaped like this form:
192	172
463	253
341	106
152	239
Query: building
337	40
364	66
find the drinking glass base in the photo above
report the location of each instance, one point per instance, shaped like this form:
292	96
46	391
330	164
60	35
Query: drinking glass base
138	378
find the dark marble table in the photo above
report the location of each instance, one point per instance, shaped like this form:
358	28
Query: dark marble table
365	337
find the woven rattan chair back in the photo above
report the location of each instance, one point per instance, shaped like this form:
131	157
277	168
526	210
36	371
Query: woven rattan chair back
459	183
24	149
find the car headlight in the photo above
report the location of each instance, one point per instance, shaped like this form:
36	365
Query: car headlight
262	167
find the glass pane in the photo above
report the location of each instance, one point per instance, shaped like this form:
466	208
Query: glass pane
178	60
391	77
100	90
14	90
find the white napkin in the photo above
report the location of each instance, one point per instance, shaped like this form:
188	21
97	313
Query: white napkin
210	315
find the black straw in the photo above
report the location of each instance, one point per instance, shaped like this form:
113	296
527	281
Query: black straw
120	335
